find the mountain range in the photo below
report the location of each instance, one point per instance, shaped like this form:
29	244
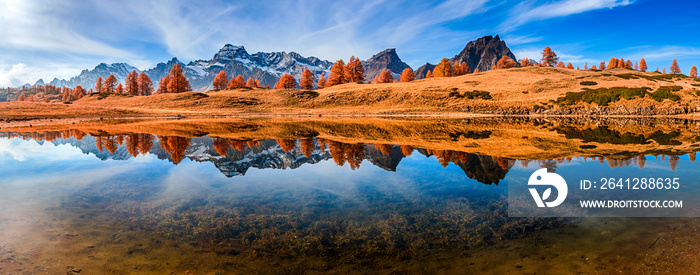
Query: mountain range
481	54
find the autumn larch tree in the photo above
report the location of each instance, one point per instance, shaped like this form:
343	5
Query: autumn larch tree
307	79
642	65
78	93
465	68
21	97
628	64
612	63
505	62
250	82
321	81
443	69
569	66
386	76
429	74
458	69
120	89
220	81
524	62
163	85
585	66
236	82
145	85
98	85
693	72
407	75
132	83
549	58
256	84
664	71
337	74
240	81
594	68
178	83
110	84
354	70
675	69
286	82
601	66
577	68
376	79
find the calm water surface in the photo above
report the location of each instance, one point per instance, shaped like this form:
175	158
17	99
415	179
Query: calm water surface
139	203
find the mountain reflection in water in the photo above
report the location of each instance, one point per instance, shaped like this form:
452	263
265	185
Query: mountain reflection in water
235	157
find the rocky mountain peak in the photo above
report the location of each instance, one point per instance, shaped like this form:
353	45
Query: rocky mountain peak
386	59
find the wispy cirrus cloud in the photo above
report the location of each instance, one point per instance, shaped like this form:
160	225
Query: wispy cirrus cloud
529	11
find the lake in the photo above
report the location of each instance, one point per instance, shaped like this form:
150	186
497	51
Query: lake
346	195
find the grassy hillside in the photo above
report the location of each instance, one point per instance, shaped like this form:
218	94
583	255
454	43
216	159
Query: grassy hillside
525	91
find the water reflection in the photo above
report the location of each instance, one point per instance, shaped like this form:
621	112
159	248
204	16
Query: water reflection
235	157
155	203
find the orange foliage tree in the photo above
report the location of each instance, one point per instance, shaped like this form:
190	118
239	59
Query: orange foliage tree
307	79
549	58
178	83
337	74
163	85
693	71
643	65
458	69
505	62
386	77
407	75
354	70
220	81
601	66
236	82
443	69
675	69
145	85
110	84
286	82
98	85
120	89
429	74
321	81
132	83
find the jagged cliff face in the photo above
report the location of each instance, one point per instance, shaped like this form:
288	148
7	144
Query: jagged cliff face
387	59
481	54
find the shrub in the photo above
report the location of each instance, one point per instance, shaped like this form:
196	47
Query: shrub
602	96
666	92
589	83
536	107
477	94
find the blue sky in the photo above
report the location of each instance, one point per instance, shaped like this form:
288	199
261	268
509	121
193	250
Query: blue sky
46	39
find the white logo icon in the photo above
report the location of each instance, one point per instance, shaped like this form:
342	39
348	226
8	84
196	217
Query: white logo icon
541	177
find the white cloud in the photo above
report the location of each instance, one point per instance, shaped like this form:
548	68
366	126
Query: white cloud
30	24
527	11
